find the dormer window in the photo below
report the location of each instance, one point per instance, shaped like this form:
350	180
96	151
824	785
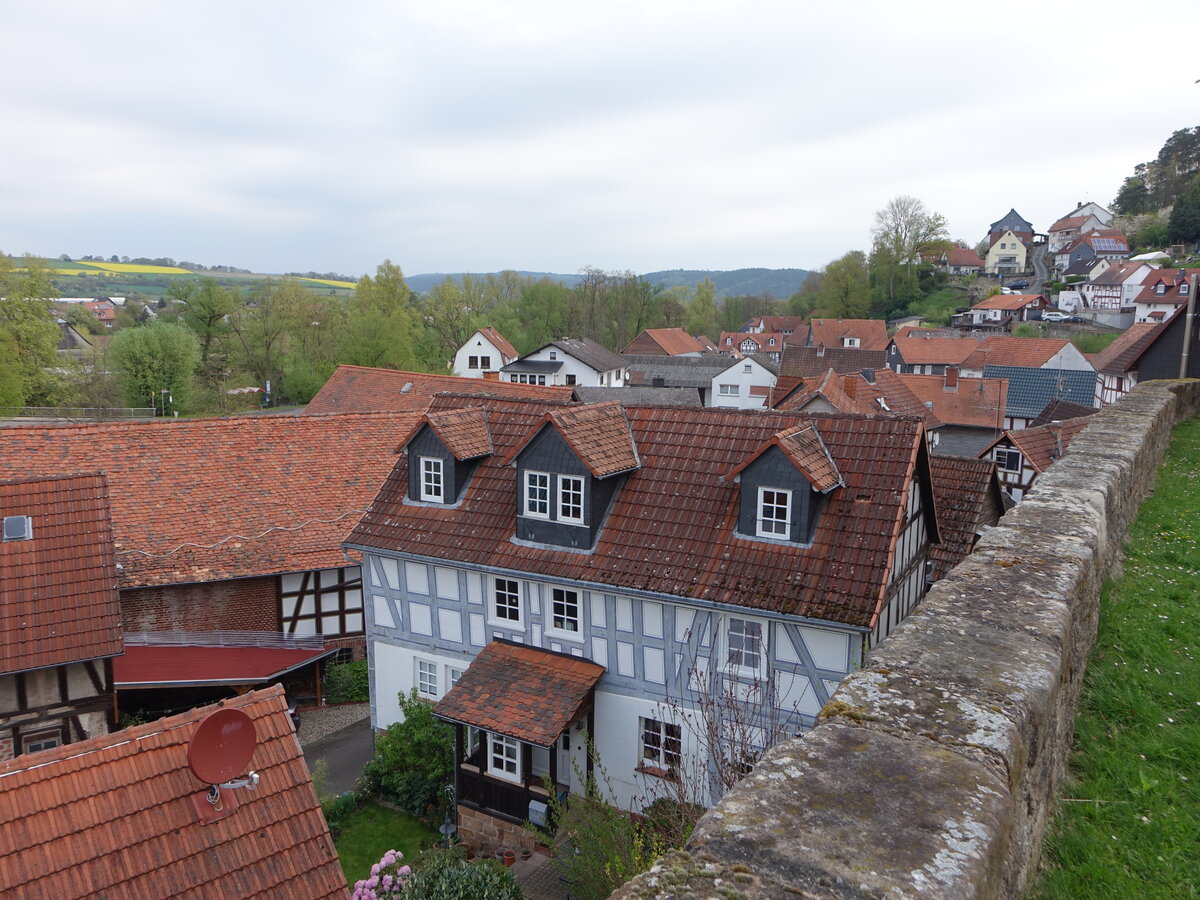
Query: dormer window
537	494
774	513
432	480
1160	289
770	342
1183	288
570	498
850	342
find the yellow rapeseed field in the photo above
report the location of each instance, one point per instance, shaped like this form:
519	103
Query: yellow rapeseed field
341	284
135	269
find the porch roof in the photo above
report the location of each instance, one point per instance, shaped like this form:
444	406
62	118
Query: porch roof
522	692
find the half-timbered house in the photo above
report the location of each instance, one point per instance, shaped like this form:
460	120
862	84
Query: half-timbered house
539	571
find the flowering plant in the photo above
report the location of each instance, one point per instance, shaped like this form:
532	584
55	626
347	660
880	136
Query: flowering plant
386	880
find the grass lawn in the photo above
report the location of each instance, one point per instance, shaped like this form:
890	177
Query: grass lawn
1129	824
372	831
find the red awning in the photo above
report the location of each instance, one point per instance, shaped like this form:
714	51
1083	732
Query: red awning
158	666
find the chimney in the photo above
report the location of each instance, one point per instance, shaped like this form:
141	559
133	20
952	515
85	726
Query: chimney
1056	430
951	378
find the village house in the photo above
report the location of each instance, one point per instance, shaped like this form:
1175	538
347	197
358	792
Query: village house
767	343
1000	311
568	361
1034	353
483	354
622	565
123	815
60	617
1102	243
1030	390
667	342
1063	232
919	352
1021	456
776	325
969	501
1163	291
1009	240
971	410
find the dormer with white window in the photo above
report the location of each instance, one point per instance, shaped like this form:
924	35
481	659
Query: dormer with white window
568	472
783	485
443	450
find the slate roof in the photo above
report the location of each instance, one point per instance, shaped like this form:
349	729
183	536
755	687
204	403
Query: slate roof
975	403
1122	354
871	333
670	528
1012	221
640	395
523	692
1041	445
195	500
1060	411
588	352
1029	390
805	362
360	389
672	341
1002	350
964	489
58	592
499	341
112	817
677	371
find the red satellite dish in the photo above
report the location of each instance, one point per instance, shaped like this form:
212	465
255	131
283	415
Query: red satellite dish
222	746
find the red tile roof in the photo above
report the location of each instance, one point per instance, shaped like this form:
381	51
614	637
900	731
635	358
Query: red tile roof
1010	302
964	257
1043	445
526	693
364	390
187	665
871	333
669	341
598	433
919	350
113	817
501	343
1032	353
830	387
976	403
1068	222
58	592
671	526
1123	353
198	500
1171	279
805	362
808	453
968	495
463	431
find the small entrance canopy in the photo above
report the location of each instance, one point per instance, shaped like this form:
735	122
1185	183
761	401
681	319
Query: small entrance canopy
526	693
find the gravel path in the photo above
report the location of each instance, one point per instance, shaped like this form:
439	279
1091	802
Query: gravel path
320	722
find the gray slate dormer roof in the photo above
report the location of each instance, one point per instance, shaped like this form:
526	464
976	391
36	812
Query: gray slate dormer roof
1011	222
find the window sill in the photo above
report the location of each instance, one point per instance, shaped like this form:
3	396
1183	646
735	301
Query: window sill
657	772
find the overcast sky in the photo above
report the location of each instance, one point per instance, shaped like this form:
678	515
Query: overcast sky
477	136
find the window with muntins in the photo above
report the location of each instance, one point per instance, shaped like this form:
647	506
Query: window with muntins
472	362
774	513
1009	460
727	390
661	743
507	597
537	494
744	644
504	758
432	485
427	678
570	498
564	610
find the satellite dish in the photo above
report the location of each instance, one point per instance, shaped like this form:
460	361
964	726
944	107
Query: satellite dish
222	746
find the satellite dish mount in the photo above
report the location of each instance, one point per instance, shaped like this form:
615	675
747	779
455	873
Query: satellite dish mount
218	754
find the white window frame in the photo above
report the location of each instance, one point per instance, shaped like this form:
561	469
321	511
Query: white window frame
426	677
773	526
737	631
508	751
453	673
566	485
1007	455
495	608
552	615
851	342
728	390
656	738
526	505
433	478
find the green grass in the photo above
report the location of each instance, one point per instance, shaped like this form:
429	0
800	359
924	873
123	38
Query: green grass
1087	342
371	831
1129	825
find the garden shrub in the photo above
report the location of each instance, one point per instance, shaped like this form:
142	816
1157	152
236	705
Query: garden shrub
348	683
414	759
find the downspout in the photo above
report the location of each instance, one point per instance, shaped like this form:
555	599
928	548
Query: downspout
1187	329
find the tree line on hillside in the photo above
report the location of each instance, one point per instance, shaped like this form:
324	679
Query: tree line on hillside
1170	181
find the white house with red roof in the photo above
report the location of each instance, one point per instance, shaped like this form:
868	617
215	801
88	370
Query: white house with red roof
1163	292
484	353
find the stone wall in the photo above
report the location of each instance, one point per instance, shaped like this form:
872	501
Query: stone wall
932	771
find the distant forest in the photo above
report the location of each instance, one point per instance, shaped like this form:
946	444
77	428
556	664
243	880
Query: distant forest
777	283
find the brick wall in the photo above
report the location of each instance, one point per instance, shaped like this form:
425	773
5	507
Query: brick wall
487	834
248	604
933	771
6	748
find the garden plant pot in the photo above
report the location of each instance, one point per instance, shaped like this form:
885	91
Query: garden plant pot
509	857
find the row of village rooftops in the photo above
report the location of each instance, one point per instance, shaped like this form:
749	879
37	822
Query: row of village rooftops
211	555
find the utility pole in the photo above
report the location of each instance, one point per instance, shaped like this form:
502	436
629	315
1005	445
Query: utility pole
1187	328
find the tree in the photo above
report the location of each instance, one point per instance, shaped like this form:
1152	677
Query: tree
702	311
414	758
845	289
1184	224
1133	198
153	359
450	318
207	308
12	385
904	231
27	317
381	321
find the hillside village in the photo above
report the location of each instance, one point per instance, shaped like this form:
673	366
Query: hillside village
659	557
